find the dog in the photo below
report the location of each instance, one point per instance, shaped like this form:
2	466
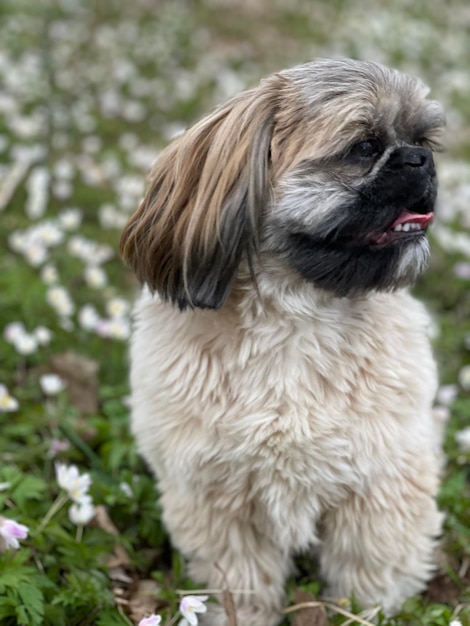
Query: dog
282	377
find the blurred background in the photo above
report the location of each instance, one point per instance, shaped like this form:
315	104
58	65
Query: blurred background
90	92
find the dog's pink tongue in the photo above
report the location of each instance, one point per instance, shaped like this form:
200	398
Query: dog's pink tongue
415	218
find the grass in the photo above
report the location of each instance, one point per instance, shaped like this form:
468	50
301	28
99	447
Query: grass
96	89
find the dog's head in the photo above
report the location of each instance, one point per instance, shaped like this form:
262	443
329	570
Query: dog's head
328	167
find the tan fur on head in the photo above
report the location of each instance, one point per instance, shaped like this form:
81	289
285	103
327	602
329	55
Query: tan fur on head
202	210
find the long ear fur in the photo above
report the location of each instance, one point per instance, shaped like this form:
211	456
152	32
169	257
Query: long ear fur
206	197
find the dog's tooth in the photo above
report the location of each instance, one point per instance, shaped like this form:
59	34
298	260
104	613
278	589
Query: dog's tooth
398	228
406	228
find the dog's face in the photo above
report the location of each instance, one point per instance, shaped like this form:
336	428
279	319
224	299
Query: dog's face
327	167
351	214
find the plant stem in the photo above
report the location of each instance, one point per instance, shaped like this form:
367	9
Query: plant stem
56	506
79	535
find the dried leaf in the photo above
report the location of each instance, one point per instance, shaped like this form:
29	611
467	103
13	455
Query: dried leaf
119	575
144	600
311	616
103	521
442	589
119	558
81	375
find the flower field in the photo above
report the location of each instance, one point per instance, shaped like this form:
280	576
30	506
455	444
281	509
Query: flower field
90	92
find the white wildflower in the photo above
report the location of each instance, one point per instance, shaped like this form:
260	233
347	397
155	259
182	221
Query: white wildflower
463	439
82	512
462	270
85	249
446	394
35	254
110	217
26	344
151	620
7	402
49	274
95	277
126	489
117	307
24	127
18	241
70	219
37	187
92	144
128	141
10	532
133	111
190	606
88	317
43	335
113	328
75	484
64	169
62	189
52	384
47	233
13	331
464	377
441	413
59	299
78	246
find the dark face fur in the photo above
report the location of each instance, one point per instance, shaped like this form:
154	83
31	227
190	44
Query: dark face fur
356	220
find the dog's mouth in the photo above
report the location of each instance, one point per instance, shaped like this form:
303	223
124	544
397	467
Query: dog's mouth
407	225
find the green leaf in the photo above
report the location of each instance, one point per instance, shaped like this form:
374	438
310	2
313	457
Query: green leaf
33	601
28	488
7	608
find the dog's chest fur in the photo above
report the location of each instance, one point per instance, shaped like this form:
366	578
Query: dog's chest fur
291	410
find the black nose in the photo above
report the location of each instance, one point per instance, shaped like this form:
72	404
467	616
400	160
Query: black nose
413	157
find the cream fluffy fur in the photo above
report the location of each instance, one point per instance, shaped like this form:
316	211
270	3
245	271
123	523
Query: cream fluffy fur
293	421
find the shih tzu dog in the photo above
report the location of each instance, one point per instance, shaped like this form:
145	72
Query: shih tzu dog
282	377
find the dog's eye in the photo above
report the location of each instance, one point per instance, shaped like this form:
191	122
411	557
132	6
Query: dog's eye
368	149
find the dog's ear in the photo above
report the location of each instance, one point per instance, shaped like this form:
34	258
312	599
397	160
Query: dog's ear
203	208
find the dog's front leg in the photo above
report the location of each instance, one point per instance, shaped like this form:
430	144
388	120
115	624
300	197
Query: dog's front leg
225	551
380	546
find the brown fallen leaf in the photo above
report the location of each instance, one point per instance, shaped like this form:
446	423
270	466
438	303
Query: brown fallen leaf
309	616
103	521
119	557
144	600
81	376
119	575
442	589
